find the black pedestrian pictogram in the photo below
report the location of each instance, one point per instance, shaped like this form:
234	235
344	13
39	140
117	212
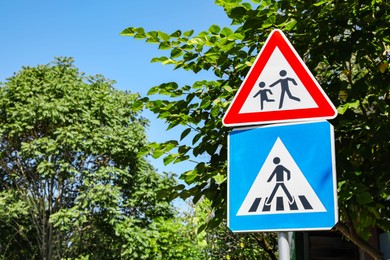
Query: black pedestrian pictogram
279	174
263	94
284	84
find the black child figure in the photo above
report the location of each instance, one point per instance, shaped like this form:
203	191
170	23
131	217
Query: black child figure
263	95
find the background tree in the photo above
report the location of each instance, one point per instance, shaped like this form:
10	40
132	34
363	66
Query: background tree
71	182
221	243
346	46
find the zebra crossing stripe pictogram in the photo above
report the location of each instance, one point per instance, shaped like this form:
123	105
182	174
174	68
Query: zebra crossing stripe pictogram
280	189
281	204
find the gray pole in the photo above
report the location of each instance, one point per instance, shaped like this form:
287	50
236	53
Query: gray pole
284	247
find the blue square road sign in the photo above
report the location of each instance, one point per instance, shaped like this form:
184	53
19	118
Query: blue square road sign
282	177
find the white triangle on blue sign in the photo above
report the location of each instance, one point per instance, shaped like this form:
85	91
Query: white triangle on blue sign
280	187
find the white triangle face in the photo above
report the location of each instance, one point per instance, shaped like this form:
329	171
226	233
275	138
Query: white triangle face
288	93
280	187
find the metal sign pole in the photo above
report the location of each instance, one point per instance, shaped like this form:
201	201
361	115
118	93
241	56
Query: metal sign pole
284	247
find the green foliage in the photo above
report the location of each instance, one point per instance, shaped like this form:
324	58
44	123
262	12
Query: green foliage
72	182
15	227
344	43
221	243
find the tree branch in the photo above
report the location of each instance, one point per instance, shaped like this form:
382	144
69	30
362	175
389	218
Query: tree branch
357	240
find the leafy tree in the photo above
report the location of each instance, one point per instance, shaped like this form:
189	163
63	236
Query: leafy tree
344	43
221	243
72	184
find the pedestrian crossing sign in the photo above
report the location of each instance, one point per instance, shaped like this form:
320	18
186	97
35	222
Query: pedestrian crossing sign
282	177
278	88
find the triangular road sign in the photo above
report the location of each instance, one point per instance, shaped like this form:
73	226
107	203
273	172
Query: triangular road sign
278	189
278	88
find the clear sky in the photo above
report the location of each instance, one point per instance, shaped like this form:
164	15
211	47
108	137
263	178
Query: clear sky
34	32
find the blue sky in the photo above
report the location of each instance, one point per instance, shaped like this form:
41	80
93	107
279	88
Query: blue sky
34	32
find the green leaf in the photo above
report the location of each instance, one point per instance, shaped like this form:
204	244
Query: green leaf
157	153
176	52
132	31
351	105
206	102
169	61
214	29
219	178
185	133
290	25
236	36
364	198
177	33
188	33
170	158
269	22
322	2
163	36
238	12
165	46
152	37
228	88
159	59
190	176
181	158
195	41
226	32
154	90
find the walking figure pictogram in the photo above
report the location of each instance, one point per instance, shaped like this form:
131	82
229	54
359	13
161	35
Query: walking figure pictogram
278	173
263	95
284	84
